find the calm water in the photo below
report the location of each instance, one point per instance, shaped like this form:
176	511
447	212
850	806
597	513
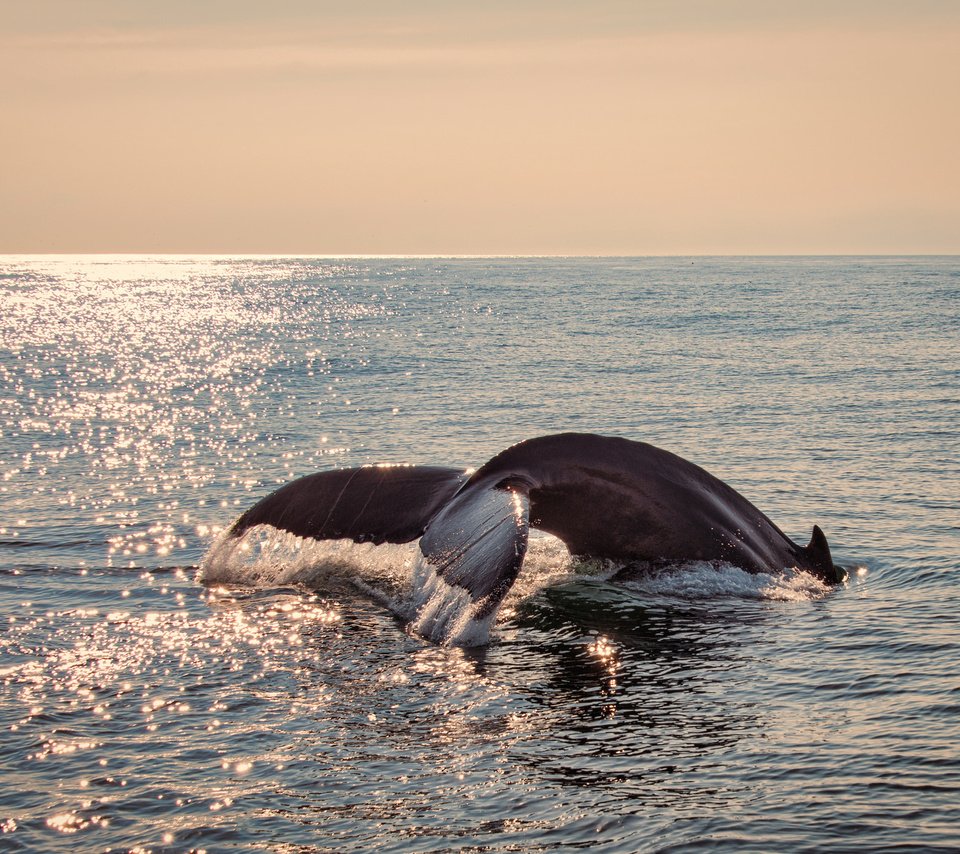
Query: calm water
145	401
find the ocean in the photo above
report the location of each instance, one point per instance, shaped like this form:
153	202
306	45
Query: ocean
279	704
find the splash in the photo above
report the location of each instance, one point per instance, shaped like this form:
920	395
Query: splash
446	614
267	557
400	579
396	576
717	580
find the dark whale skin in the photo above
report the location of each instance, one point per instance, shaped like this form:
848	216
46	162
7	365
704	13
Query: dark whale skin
602	496
611	497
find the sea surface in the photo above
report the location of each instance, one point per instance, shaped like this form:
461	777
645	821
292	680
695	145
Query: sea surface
281	705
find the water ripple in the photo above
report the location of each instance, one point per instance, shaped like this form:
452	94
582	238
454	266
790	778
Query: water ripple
144	402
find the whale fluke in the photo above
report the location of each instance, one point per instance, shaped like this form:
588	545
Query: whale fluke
602	496
378	504
478	542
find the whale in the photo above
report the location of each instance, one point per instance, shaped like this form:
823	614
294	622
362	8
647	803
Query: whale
603	496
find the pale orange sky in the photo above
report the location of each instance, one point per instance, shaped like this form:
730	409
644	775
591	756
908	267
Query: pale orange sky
304	126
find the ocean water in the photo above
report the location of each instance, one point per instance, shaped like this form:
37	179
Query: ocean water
281	705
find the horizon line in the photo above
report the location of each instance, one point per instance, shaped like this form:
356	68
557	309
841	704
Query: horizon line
477	256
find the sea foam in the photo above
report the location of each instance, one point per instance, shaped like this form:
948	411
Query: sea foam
404	582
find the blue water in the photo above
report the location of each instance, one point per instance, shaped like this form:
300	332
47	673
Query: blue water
144	402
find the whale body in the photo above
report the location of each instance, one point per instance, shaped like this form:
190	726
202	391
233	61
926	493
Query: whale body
603	496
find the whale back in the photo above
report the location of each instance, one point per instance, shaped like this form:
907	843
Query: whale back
611	497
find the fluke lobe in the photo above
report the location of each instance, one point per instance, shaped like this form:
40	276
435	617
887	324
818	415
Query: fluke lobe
602	496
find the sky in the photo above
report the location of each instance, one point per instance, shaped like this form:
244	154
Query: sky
526	127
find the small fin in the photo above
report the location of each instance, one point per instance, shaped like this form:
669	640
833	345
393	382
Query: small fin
817	553
379	504
477	543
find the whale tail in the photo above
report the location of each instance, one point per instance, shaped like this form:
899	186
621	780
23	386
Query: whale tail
478	541
470	555
472	541
819	559
600	495
372	504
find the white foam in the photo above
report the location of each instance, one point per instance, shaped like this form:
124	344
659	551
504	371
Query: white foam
548	562
267	557
395	575
709	580
447	615
404	582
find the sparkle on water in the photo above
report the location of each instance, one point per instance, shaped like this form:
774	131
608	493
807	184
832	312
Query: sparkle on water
283	704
